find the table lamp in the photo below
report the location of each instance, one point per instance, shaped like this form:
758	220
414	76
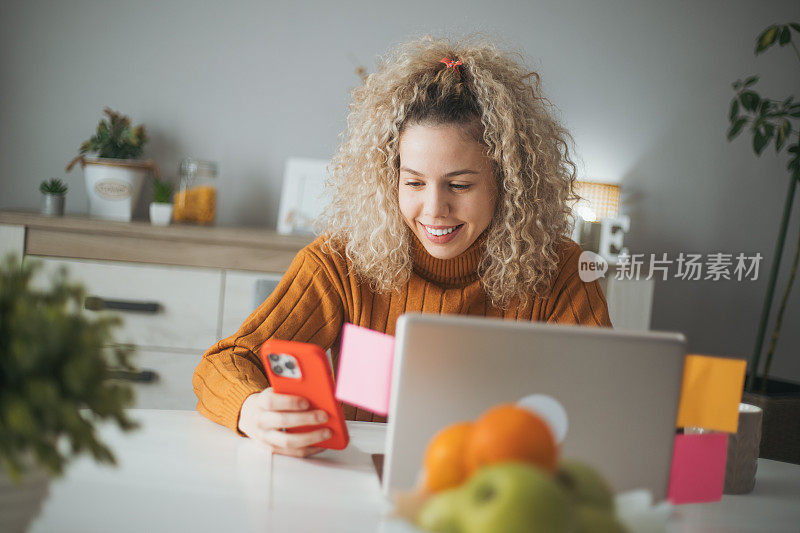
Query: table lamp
598	225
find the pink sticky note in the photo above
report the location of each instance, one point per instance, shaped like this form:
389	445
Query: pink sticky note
698	468
365	369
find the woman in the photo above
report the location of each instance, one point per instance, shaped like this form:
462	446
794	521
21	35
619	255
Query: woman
450	195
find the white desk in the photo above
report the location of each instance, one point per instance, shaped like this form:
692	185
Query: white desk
181	472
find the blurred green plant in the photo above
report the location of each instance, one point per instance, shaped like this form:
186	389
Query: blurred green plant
53	186
54	373
770	119
115	138
162	191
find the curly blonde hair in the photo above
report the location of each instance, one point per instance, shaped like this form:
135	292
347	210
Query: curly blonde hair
500	103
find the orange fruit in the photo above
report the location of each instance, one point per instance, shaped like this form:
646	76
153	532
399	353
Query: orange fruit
444	457
509	432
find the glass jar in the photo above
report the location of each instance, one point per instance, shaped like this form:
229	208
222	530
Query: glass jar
196	201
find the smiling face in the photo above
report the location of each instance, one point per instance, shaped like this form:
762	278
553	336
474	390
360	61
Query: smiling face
447	190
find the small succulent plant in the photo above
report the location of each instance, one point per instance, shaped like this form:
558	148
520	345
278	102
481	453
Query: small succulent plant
53	186
162	191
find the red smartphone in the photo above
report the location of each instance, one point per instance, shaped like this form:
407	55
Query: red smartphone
302	369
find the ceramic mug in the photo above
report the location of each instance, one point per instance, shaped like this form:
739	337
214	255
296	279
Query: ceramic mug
743	447
742	462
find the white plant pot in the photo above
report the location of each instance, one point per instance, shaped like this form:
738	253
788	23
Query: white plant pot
160	214
20	504
113	186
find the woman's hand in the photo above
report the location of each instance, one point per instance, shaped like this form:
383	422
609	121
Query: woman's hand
264	414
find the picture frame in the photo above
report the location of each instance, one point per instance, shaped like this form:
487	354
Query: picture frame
303	196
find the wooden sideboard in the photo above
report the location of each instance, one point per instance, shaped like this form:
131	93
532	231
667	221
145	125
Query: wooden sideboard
179	288
184	287
246	249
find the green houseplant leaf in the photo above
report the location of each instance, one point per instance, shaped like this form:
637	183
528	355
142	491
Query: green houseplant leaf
767	38
736	127
760	140
750	100
794	163
785	37
784	131
733	114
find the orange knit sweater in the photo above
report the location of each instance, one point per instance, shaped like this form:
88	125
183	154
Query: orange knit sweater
319	293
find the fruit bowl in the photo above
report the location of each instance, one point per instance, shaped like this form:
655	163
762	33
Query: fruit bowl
635	512
502	473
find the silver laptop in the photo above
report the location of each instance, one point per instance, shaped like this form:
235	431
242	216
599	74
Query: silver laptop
620	390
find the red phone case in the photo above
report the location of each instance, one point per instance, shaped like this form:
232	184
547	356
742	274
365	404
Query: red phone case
315	385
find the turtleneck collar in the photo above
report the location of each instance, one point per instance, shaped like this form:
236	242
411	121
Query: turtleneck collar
456	272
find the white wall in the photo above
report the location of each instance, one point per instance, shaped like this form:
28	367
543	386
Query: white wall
643	86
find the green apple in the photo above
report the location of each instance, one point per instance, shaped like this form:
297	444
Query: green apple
515	497
585	484
594	519
442	511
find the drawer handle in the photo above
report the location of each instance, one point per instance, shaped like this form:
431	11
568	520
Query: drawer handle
95	303
139	376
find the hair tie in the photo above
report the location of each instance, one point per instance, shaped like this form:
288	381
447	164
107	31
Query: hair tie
452	64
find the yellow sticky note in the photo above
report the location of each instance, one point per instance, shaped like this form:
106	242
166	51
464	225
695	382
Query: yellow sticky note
711	392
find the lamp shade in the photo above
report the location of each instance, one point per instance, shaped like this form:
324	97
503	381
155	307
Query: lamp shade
598	200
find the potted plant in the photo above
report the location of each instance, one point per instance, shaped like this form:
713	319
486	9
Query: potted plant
161	206
773	119
54	386
54	192
114	175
